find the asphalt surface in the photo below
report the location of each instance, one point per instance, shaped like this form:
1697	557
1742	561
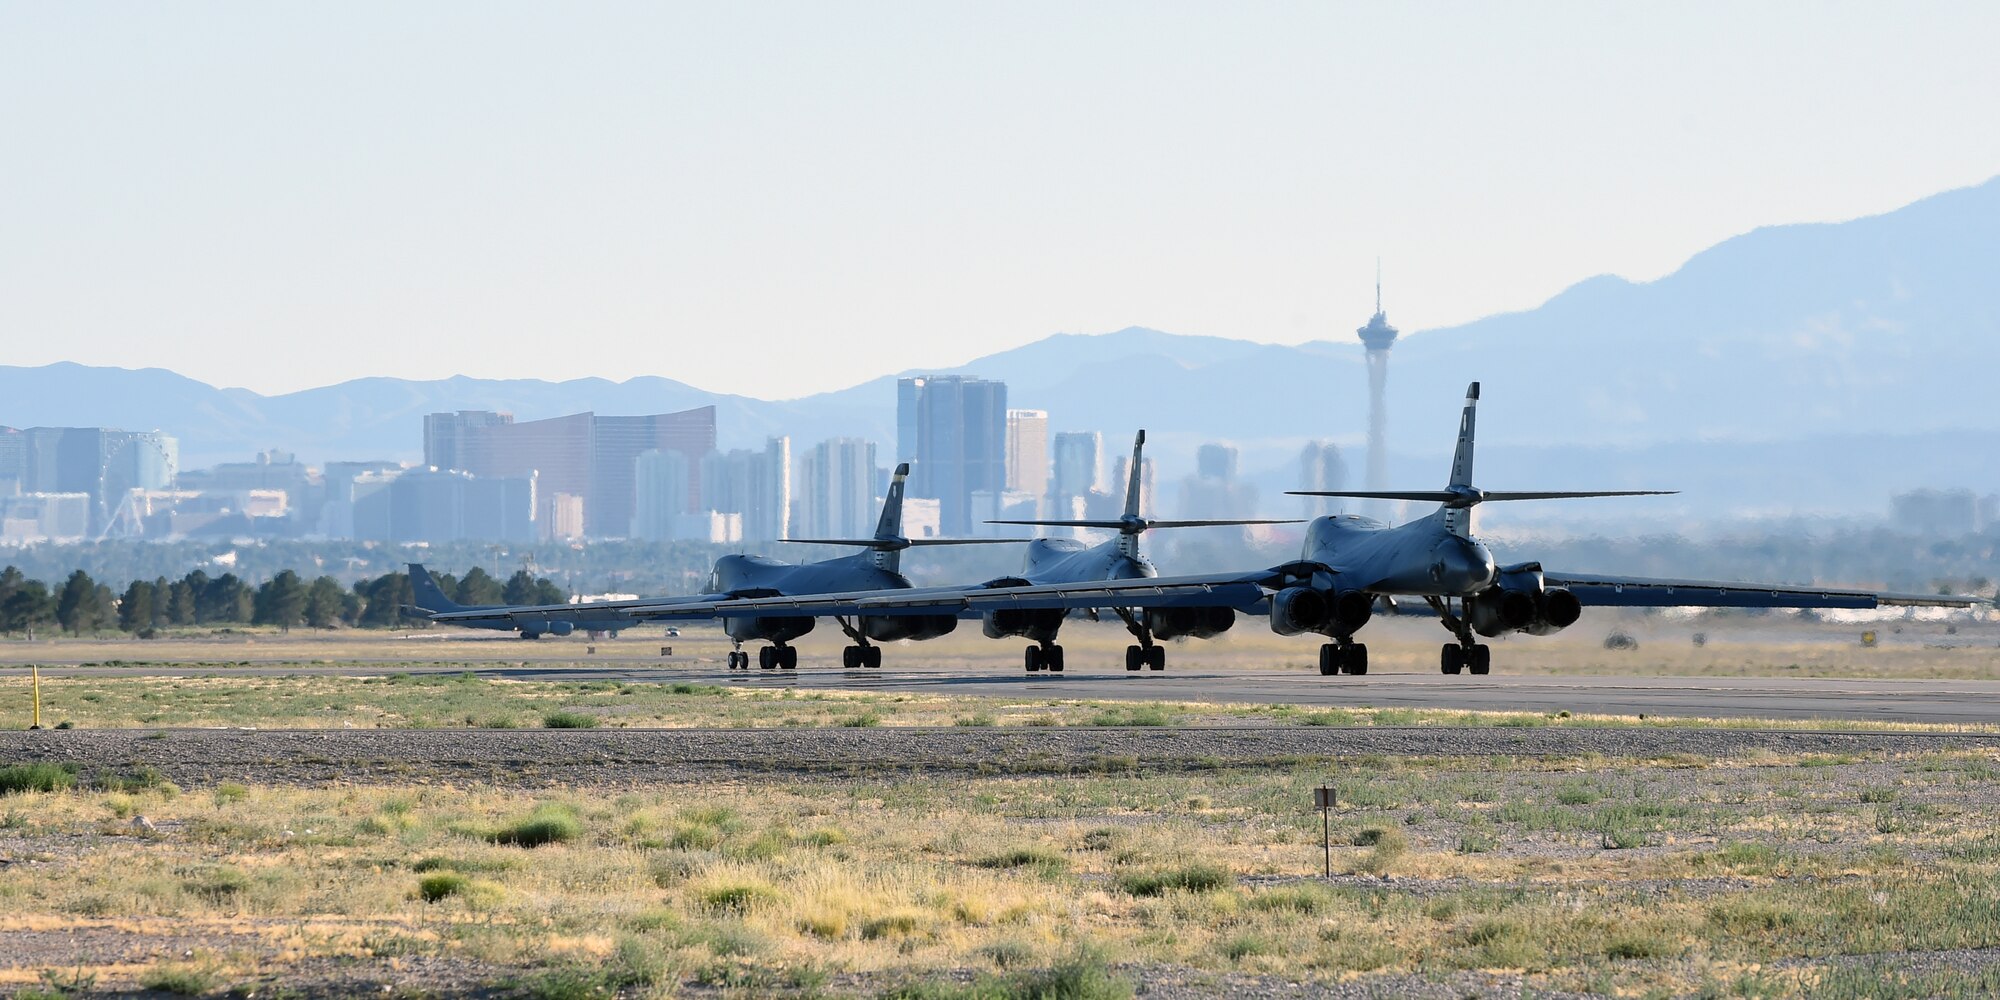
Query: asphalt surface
1946	702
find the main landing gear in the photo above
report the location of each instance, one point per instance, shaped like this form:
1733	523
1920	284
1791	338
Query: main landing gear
1343	657
862	653
1147	653
1467	654
769	658
1045	656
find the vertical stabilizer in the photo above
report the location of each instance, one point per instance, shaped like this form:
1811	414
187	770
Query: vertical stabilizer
890	527
424	590
1459	519
1128	541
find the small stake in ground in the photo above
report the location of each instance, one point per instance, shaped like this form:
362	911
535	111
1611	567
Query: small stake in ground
1324	801
35	669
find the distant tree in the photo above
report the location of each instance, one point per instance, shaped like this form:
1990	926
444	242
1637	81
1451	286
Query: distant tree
478	588
383	599
26	604
77	608
520	589
280	601
546	592
225	599
135	608
11	580
161	590
179	604
325	602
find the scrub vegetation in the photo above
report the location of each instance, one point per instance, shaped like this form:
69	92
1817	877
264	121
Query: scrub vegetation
1773	875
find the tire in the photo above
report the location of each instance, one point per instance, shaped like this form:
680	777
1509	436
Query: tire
1481	659
1134	657
1054	660
850	657
767	658
1034	658
788	658
1156	658
871	657
1329	659
1452	659
1357	659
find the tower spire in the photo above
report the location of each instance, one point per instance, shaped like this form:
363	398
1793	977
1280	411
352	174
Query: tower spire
1378	286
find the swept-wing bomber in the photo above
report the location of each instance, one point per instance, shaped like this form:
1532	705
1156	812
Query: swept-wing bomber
1347	567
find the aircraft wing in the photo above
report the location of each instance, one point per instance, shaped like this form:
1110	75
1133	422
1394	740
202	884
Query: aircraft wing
621	612
1641	592
1237	590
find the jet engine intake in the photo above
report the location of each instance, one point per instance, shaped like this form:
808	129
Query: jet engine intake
1559	610
1498	610
1298	609
1352	608
1200	623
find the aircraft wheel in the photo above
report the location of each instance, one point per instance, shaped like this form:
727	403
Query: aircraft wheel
531	635
1481	660
767	658
1135	657
1329	659
788	657
871	657
1034	657
850	657
1452	658
1357	659
1156	657
1054	659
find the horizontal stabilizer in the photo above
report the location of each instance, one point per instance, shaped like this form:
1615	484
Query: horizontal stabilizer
897	544
1476	496
1112	525
1122	525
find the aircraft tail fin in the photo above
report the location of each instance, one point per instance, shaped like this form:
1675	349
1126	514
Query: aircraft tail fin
428	595
1461	457
1134	481
890	527
1459	496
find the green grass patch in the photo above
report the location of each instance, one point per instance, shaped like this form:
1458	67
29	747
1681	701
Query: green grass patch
1198	877
36	777
550	824
569	720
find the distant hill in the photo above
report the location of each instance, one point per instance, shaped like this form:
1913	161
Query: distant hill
1853	336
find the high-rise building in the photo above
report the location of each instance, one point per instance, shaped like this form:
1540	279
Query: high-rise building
953	432
102	463
1214	490
660	483
836	490
755	484
13	461
438	505
445	432
583	456
1321	468
1028	452
1079	464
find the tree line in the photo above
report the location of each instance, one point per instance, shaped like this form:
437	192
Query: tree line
82	605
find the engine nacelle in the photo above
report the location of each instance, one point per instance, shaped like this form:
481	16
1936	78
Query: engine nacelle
1038	624
1559	610
772	629
889	628
1200	623
1298	609
1498	610
560	628
1352	609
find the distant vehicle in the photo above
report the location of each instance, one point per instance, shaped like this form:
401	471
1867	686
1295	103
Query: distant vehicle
673	633
1350	564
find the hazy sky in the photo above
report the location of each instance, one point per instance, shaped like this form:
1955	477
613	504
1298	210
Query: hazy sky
777	199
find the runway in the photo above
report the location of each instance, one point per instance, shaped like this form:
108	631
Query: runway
1946	702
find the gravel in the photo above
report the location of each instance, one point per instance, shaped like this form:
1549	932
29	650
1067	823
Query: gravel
535	758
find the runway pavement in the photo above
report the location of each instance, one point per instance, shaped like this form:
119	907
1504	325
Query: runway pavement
1961	702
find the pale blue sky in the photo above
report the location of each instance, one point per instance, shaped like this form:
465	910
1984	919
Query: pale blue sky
782	198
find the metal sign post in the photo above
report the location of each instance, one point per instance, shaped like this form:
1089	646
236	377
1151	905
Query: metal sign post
1324	801
36	670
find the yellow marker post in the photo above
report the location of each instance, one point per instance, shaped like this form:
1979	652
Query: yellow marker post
35	669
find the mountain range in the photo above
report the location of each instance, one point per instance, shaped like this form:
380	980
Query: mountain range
1817	367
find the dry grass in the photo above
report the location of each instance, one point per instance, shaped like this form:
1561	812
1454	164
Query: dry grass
1735	865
